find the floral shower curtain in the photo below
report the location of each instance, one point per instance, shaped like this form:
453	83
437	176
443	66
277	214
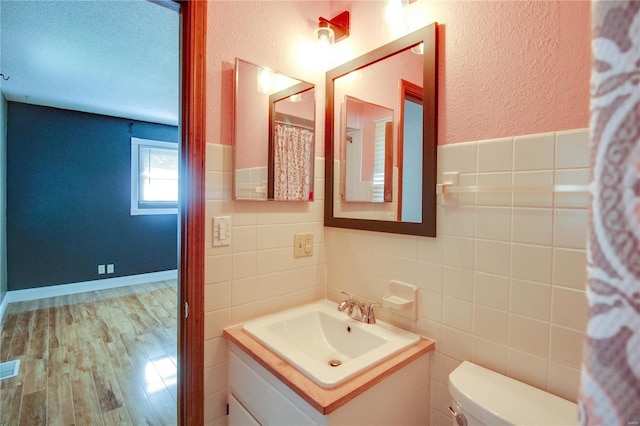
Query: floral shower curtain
292	163
610	391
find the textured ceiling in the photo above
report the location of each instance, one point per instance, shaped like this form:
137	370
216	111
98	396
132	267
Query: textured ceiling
117	57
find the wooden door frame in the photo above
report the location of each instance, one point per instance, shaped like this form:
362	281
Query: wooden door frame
192	181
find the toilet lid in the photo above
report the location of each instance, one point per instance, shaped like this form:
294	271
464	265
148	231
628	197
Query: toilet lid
495	399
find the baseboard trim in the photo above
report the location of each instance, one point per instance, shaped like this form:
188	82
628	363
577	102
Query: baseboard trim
3	306
82	287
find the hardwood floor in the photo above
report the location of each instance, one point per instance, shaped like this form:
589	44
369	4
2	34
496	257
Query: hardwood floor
100	358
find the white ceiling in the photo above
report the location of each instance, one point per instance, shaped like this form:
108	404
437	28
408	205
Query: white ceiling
114	57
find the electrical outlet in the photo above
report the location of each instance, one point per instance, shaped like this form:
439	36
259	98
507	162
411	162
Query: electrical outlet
111	268
303	244
101	269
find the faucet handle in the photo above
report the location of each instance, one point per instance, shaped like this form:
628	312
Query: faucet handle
346	303
370	313
347	294
369	306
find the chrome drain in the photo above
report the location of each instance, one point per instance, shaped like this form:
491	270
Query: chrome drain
335	363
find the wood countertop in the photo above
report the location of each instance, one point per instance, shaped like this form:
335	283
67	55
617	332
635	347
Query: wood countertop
324	400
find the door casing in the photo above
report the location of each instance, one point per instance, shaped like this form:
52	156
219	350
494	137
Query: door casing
192	174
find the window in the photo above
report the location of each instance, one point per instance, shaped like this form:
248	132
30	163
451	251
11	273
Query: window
379	160
154	177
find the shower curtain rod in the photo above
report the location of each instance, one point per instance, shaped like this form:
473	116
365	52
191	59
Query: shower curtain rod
299	126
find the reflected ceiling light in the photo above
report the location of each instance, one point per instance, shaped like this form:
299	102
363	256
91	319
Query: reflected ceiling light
334	30
265	80
352	76
269	82
418	49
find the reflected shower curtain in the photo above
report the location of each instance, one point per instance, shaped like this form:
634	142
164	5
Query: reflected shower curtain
610	390
292	163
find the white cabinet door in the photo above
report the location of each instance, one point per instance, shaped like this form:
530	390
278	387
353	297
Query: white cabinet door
238	415
266	403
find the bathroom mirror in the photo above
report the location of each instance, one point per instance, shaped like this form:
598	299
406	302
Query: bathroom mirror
274	135
400	76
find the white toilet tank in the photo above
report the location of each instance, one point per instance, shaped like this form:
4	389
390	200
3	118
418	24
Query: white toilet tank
483	397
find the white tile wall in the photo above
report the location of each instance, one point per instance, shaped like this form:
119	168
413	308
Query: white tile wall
503	283
533	152
251	183
257	273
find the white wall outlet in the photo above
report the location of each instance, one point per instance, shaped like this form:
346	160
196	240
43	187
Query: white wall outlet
111	268
303	244
221	231
101	269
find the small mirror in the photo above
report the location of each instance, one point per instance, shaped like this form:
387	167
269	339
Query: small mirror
385	182
274	135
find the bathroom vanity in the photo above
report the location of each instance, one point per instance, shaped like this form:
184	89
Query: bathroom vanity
266	389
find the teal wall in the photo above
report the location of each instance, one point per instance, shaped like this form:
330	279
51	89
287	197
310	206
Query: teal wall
69	196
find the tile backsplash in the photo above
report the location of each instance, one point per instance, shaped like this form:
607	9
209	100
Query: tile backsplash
251	183
256	274
503	283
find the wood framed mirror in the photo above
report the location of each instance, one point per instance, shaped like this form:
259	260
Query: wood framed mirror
274	135
400	76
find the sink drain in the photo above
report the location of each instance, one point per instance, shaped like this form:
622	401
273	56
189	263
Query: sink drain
335	363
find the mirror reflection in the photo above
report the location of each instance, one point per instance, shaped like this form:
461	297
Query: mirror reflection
274	135
379	84
386	183
410	153
367	152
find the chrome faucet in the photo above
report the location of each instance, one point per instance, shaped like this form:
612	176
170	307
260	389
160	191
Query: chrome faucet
358	311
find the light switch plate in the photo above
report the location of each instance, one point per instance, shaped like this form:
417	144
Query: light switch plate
221	231
303	244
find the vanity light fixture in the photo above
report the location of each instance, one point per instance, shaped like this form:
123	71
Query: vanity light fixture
334	30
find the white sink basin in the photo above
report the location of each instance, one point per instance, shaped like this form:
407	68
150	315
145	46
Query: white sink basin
313	336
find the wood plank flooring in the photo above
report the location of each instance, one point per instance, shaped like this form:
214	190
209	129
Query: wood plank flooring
99	358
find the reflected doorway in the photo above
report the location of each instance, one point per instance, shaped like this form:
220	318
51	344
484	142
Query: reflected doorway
410	153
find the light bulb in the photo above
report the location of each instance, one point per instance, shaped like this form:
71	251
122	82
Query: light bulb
325	34
418	49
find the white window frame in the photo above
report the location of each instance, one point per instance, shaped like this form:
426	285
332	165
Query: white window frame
135	209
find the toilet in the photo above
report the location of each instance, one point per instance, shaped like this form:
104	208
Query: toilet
483	397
